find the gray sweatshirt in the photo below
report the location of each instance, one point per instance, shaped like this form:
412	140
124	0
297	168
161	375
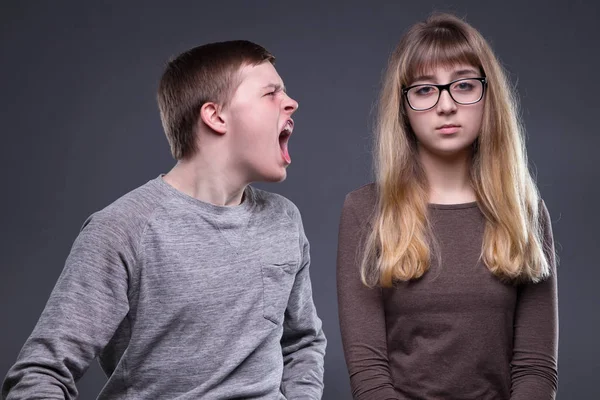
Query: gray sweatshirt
181	299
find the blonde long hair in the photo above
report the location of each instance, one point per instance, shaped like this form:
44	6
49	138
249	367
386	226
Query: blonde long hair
398	245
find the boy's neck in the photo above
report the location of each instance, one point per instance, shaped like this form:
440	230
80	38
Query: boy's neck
206	182
448	177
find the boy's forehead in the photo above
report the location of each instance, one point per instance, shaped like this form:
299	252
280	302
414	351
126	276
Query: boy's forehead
263	74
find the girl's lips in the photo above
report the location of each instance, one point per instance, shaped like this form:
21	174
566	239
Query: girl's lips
448	129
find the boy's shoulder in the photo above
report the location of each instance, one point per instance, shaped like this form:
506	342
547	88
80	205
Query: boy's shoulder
129	213
273	202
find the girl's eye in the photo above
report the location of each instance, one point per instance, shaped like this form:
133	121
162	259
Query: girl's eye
424	90
464	86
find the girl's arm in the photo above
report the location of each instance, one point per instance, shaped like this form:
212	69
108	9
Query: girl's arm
361	313
534	363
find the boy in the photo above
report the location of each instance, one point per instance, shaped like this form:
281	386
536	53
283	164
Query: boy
194	285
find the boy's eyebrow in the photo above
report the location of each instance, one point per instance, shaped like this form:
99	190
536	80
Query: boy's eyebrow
275	86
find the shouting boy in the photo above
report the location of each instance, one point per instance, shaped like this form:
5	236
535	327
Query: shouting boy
194	285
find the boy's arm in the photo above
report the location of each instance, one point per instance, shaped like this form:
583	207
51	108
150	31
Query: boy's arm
88	303
303	342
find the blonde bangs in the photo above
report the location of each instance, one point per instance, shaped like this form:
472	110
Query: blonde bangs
444	47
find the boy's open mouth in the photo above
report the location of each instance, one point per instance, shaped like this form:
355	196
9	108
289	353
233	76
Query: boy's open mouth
284	137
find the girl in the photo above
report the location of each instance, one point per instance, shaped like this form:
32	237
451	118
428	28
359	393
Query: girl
446	270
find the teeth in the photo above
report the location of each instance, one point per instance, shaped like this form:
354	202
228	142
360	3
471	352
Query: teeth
288	127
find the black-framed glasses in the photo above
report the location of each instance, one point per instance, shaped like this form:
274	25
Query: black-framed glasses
462	91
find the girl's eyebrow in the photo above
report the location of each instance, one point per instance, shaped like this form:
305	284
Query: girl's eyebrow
464	72
424	78
455	74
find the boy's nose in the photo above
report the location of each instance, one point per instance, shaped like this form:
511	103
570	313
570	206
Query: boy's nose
291	105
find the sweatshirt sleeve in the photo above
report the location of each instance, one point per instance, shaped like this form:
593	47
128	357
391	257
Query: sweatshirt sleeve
303	342
534	364
361	313
86	306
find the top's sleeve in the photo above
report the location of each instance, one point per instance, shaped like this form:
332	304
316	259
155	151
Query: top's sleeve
86	306
362	317
534	363
303	342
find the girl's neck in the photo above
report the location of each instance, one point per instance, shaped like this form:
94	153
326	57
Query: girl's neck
448	177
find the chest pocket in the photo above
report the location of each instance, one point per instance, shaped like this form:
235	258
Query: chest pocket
278	268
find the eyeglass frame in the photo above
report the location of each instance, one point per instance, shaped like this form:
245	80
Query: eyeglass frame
445	87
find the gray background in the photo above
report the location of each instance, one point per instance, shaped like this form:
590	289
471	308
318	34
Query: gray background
80	127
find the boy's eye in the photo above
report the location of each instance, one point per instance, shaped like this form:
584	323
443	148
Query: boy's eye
271	93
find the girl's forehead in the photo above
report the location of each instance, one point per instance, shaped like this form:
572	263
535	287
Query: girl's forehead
441	68
430	56
447	68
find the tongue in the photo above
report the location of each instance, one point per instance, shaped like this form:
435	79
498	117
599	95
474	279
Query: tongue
285	153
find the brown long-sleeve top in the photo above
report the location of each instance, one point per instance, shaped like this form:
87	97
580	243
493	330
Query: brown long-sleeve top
456	333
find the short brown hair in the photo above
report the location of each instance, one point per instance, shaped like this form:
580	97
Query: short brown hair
199	75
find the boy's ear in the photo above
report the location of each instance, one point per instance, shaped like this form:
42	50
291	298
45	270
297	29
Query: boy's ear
211	116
